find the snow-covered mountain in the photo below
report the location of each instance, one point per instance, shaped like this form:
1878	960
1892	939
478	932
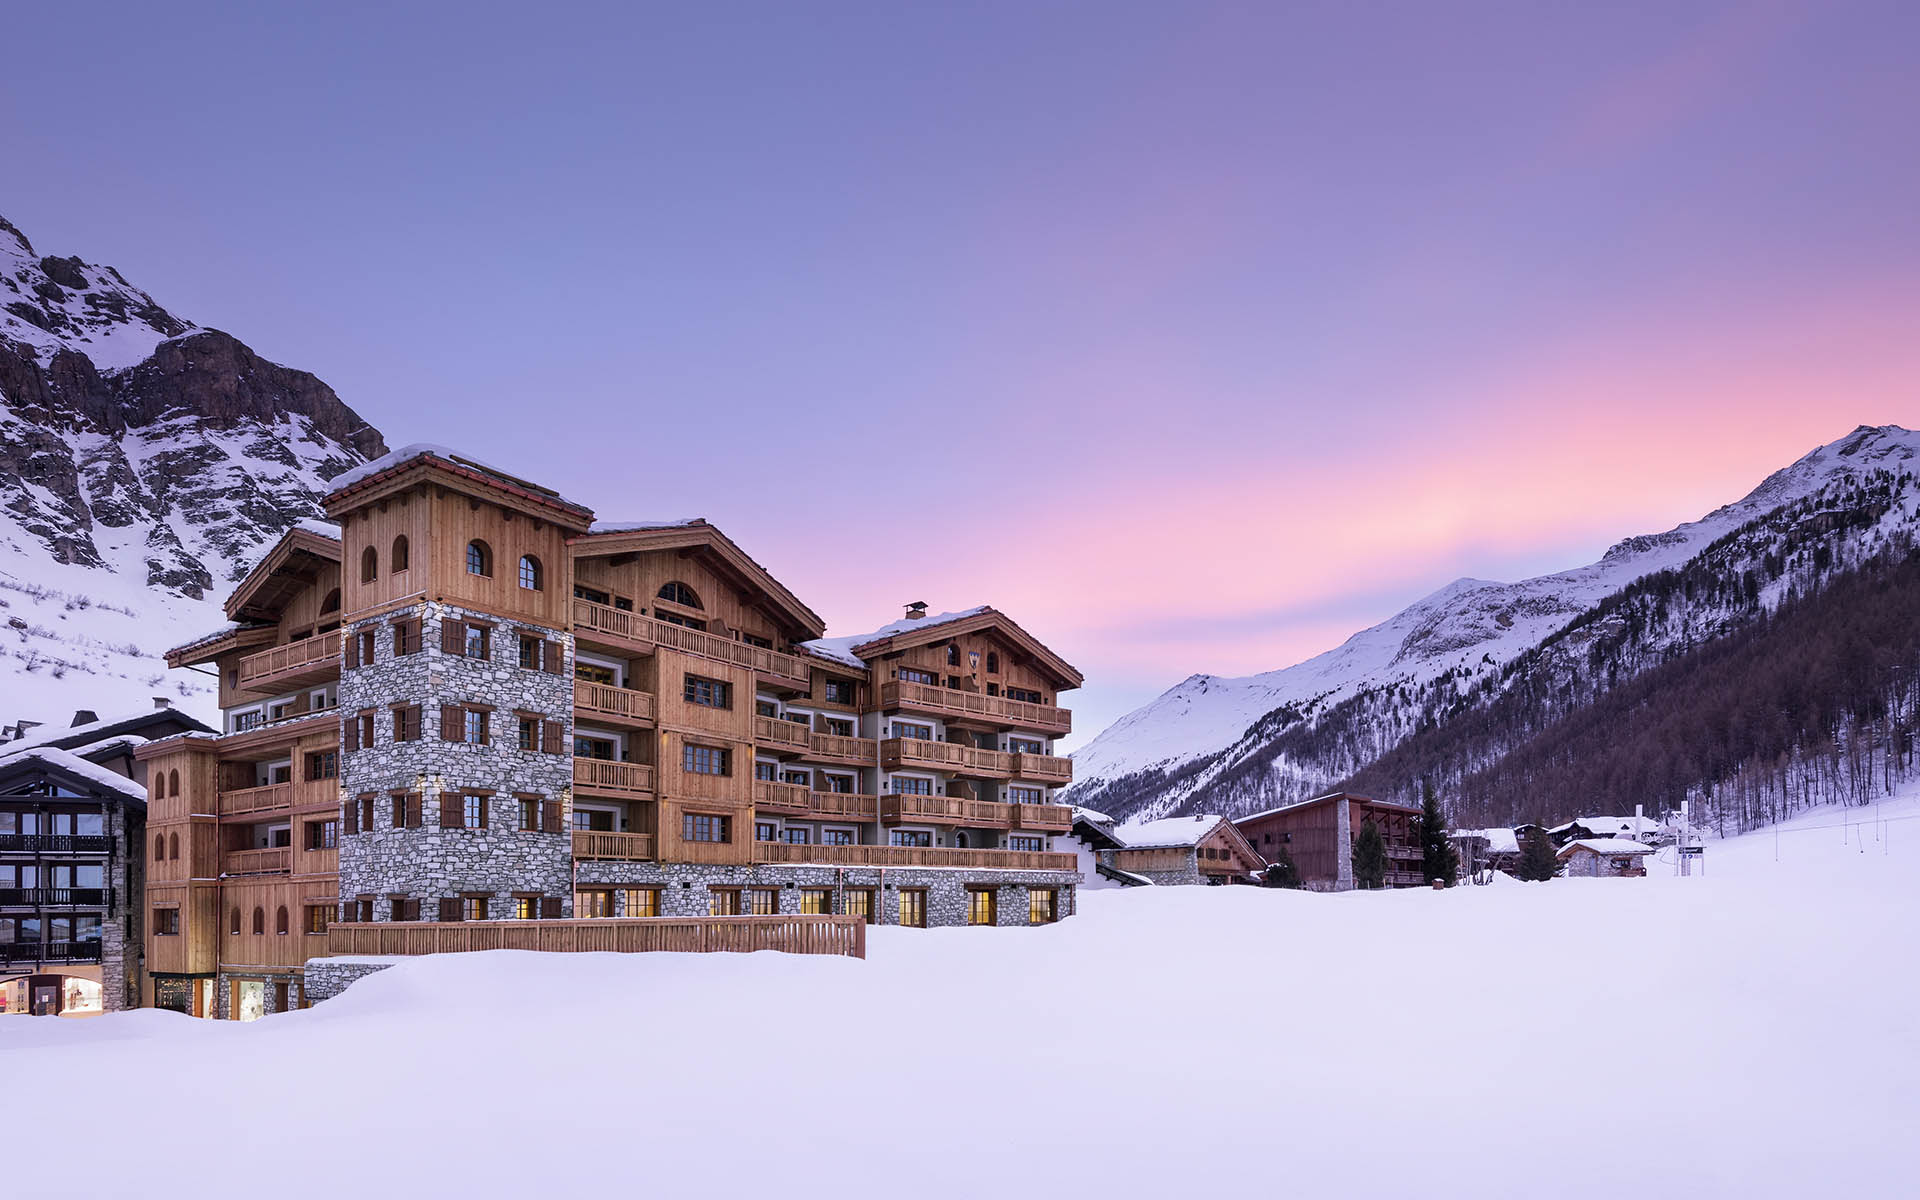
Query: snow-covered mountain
145	462
1155	758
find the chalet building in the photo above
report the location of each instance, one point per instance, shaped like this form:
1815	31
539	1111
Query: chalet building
1204	849
1318	836
1483	850
1604	858
72	820
1634	829
468	701
1093	841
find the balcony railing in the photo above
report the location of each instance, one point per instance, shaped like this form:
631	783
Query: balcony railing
1043	768
257	862
306	660
841	935
55	843
53	897
619	778
616	704
914	856
645	631
844	806
774	796
842	748
780	733
625	847
256	799
952	702
48	952
944	756
945	810
1056	818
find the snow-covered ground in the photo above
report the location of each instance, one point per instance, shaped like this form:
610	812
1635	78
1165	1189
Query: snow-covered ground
1751	1032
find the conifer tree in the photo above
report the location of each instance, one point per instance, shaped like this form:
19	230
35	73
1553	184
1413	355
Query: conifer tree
1369	856
1538	860
1281	872
1438	858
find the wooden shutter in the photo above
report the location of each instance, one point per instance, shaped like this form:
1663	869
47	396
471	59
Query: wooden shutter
553	737
300	703
350	733
413	810
450	805
353	653
449	908
553	657
353	816
550	816
486	724
453	635
452	723
550	908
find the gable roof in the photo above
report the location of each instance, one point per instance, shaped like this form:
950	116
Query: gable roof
1096	829
1605	846
78	772
1171	832
1367	800
405	466
81	738
291	564
909	632
699	534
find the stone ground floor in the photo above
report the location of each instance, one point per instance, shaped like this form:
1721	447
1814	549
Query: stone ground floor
239	994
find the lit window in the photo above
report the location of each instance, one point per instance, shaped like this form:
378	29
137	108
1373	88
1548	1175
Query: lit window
1040	906
979	906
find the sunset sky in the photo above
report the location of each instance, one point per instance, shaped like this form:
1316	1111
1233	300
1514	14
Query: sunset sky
1194	337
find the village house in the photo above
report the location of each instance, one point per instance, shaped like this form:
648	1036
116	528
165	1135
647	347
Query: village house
1093	841
1318	836
465	701
1604	858
1482	850
1200	849
1636	829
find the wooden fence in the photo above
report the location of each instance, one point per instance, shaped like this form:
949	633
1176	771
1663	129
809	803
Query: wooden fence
841	935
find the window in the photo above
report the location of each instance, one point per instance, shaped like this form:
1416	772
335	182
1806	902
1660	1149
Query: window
796	836
913	907
233	921
1026	694
596	902
595	673
528	735
473	728
359	731
331	603
406	637
259	920
708	693
979	906
911	837
243	721
1040	906
529	815
839	785
858	902
953	655
837	837
280	923
815	902
473	814
706	760
914	675
173	845
838	727
397	560
530	651
907	729
839	691
526	908
479	559
909	785
473	908
323	835
766	770
166	922
369	565
641	902
679	593
593	820
703	827
475	642
317	915
799	777
753	639
1025	795
765	831
674	618
159	847
323	764
603	749
764	902
530	577
993	662
406	723
1018	842
723	902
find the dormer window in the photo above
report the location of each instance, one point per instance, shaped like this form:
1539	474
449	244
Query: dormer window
479	559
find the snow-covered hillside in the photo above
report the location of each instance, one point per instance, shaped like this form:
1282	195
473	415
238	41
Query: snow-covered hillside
145	463
1468	629
1745	1033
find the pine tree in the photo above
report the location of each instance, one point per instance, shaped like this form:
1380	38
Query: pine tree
1281	872
1369	856
1438	858
1538	860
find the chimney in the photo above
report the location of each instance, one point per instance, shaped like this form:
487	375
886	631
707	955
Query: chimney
916	610
160	702
83	716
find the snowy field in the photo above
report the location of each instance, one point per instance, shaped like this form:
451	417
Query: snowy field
1751	1033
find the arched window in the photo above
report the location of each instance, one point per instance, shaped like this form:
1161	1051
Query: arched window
280	920
529	572
479	559
397	561
233	921
331	603
173	783
259	919
993	662
680	593
159	847
953	655
173	845
159	785
369	565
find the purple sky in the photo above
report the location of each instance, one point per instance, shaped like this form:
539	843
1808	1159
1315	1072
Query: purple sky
1196	337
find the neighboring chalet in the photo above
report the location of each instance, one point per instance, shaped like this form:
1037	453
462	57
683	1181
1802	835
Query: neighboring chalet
1093	841
72	824
1633	829
1318	835
1483	850
1604	858
1202	849
470	702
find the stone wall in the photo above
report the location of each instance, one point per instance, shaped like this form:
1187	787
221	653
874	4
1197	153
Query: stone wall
429	862
1188	873
684	887
223	990
122	945
328	977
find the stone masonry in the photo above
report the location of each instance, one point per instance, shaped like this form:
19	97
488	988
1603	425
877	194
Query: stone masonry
429	862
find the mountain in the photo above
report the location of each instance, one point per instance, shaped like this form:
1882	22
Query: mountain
1238	745
145	462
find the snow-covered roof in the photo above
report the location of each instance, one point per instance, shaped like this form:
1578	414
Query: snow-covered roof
1606	846
642	526
1321	799
386	462
1499	841
226	630
1168	831
118	743
1606	825
1088	814
73	764
840	649
318	527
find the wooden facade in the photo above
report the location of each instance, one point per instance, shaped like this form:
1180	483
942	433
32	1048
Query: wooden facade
1318	836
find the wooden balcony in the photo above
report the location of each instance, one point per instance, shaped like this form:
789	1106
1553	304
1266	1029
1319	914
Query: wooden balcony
841	935
925	754
632	632
973	707
797	800
914	856
241	801
256	862
773	796
944	810
834	747
310	660
609	705
1043	768
622	847
1042	818
780	734
603	778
